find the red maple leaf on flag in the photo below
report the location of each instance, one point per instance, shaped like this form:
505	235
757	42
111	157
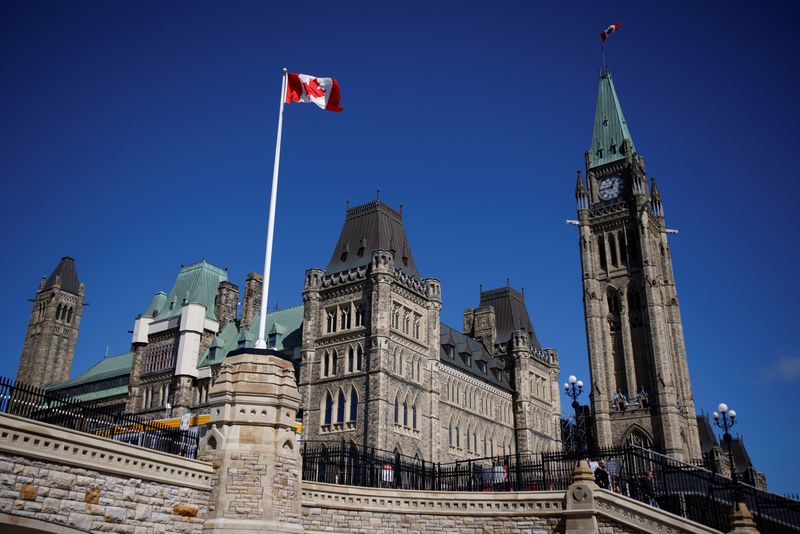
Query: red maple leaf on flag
314	89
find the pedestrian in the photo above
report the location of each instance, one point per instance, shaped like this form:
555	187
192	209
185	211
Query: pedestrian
648	489
601	475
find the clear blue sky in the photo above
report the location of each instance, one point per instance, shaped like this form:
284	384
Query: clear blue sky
139	136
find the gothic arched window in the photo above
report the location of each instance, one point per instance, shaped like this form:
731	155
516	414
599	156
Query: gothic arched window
351	360
326	364
328	416
334	362
353	404
340	407
396	411
359	358
612	246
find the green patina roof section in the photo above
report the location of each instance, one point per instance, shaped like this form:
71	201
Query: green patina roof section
286	324
610	127
223	343
196	284
102	394
106	368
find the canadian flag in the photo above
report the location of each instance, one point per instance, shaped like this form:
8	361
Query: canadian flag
611	29
324	92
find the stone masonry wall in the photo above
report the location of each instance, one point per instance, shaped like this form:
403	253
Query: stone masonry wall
97	502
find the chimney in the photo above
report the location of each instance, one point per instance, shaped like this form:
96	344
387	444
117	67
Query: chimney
252	299
226	303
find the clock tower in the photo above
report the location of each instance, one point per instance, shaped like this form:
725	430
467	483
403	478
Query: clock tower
640	378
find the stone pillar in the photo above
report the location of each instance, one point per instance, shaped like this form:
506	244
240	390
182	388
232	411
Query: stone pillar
627	346
742	521
579	509
252	446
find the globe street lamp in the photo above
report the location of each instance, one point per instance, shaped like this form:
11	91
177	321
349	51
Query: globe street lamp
725	419
573	389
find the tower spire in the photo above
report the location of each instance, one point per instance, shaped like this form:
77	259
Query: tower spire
610	128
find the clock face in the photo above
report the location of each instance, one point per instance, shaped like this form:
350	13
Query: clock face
610	187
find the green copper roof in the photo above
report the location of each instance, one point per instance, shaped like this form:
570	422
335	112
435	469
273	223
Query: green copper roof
196	284
101	394
106	368
286	325
610	128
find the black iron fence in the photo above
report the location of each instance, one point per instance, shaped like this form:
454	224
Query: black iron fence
39	405
683	489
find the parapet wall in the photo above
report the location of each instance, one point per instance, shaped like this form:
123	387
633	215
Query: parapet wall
350	509
89	483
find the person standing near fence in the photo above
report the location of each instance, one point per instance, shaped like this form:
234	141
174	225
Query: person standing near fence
648	489
601	475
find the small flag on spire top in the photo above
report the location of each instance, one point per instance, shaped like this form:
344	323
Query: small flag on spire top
608	31
324	92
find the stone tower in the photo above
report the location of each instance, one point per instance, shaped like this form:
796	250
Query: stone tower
53	327
640	378
370	345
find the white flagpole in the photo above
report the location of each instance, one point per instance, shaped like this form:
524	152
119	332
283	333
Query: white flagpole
261	343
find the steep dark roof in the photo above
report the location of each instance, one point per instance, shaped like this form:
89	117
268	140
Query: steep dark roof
370	227
740	456
510	313
66	273
707	438
464	344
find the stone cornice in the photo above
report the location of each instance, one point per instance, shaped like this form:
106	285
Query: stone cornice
643	517
33	439
376	500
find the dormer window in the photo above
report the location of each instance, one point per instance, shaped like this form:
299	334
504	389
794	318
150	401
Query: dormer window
272	341
448	349
467	358
613	148
600	153
482	367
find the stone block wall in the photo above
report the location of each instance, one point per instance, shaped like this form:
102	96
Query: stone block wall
90	500
90	483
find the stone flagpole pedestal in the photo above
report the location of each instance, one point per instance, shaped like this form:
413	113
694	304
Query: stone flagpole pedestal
252	445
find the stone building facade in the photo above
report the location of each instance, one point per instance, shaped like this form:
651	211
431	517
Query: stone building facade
641	391
375	365
53	327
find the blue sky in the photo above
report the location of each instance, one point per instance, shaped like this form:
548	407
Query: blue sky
139	136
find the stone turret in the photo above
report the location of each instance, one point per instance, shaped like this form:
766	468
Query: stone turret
53	327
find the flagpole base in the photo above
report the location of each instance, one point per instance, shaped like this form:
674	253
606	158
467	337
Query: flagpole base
261	344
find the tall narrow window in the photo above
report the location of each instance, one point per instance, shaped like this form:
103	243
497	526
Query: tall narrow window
58	313
328	408
359	358
405	413
334	362
351	357
623	249
601	250
414	415
394	361
326	364
450	434
340	407
396	411
359	315
353	404
69	315
331	323
417	322
345	315
612	246
406	323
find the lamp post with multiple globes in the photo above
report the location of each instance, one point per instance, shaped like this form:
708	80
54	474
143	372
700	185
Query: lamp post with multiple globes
573	390
725	419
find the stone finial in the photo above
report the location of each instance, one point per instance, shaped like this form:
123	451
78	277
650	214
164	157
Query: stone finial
742	521
582	472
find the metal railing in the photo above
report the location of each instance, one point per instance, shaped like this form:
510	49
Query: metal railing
683	489
40	405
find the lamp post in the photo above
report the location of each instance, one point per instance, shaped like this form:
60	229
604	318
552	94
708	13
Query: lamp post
573	389
725	419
